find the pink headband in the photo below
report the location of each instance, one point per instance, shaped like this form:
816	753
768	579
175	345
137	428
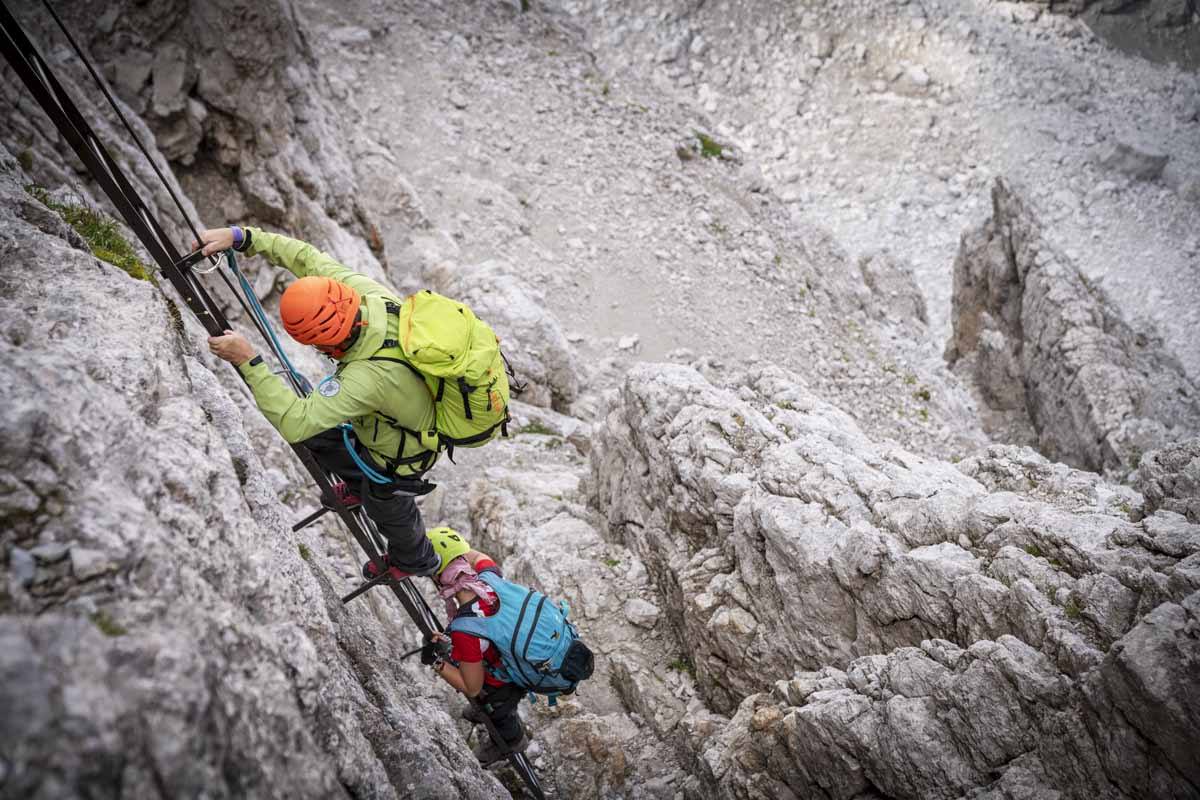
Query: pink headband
457	576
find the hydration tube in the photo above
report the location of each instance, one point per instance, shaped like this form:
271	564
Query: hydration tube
367	470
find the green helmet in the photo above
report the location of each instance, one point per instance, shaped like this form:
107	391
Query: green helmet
448	544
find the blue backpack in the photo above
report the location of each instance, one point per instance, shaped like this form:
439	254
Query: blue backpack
540	650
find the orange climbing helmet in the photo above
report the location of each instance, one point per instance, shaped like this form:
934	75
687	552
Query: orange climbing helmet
319	311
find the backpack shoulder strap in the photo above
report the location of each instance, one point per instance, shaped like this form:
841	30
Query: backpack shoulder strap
476	626
393	307
390	343
494	579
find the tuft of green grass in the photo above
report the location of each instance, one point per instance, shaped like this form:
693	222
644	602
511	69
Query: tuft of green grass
40	194
101	233
1073	609
910	379
709	147
923	413
305	553
107	625
922	394
536	427
683	664
25	159
611	562
1033	550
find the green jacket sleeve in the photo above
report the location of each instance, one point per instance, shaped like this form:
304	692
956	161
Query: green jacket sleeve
302	260
299	418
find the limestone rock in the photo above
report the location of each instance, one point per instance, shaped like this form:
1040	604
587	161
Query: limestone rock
641	613
893	282
937	625
88	563
1137	162
21	566
1170	479
278	133
1036	334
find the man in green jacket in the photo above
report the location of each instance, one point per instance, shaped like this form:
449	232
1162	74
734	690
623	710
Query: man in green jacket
354	321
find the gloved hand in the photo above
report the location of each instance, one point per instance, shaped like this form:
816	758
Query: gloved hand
434	650
371	571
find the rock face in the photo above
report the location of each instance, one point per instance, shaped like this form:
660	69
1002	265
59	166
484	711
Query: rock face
878	622
782	608
1039	338
247	109
1170	479
1159	30
163	632
46	159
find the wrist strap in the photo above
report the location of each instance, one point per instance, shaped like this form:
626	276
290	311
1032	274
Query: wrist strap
241	238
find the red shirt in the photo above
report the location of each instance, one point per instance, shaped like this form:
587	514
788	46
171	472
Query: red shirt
469	649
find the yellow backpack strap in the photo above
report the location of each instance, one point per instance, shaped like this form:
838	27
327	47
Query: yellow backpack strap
430	440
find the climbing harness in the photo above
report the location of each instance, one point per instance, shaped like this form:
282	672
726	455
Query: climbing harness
183	275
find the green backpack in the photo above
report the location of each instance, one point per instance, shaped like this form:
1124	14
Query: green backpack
459	357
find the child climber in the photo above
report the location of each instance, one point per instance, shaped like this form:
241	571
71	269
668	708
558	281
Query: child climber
473	660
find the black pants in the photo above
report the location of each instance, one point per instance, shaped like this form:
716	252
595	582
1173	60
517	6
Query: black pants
393	510
500	703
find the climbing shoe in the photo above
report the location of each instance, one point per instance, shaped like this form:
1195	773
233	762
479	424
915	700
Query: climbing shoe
370	571
345	495
473	714
488	752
